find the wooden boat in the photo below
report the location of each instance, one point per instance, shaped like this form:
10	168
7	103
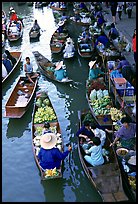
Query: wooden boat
105	178
126	98
34	34
16	34
43	101
47	67
84	49
102	119
57	41
17	56
20	98
58	8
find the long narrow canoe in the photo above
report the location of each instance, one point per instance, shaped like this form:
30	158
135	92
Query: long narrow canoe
48	114
20	98
34	35
58	8
17	34
17	56
57	41
102	118
105	178
45	67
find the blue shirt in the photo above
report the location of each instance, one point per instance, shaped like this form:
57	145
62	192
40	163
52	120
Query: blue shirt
96	155
51	158
103	39
126	133
122	63
94	73
7	64
60	74
84	131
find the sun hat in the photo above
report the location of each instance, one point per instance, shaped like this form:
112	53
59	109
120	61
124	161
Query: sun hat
59	65
61	23
91	63
48	140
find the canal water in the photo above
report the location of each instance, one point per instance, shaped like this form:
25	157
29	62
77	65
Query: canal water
21	180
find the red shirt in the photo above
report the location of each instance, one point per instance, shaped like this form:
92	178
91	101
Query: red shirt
134	44
14	17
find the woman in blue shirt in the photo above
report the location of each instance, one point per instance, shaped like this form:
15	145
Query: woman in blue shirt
49	155
60	73
94	71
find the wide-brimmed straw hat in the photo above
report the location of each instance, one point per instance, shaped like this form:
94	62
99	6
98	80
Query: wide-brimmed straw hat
61	23
48	140
59	65
91	63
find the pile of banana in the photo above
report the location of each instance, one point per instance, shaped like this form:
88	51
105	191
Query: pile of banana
51	172
116	114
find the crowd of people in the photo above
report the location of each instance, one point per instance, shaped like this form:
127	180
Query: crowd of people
92	137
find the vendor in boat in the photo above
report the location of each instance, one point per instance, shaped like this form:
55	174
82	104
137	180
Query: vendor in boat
100	47
46	128
10	57
104	40
100	20
85	131
94	71
125	68
28	68
126	134
86	36
69	47
96	158
36	26
98	132
113	33
49	155
7	63
59	72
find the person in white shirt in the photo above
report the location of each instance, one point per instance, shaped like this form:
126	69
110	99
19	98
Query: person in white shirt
69	48
99	133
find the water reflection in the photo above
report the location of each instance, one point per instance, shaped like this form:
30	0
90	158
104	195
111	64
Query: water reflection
17	126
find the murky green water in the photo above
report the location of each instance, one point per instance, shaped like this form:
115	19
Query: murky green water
20	176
